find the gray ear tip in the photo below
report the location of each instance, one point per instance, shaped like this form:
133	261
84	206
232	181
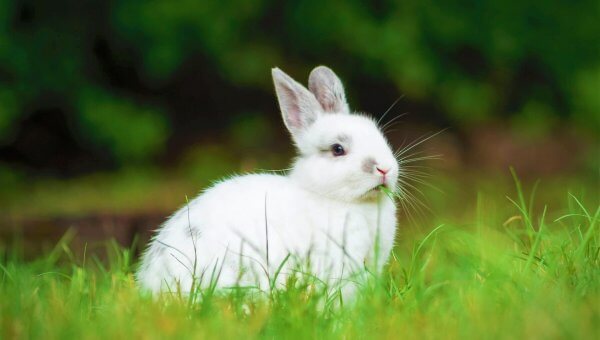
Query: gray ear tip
276	71
280	76
321	73
321	69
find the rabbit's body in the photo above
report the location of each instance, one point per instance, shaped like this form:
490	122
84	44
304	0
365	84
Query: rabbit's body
229	225
329	214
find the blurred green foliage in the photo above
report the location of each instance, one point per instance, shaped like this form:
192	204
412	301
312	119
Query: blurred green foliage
474	60
129	130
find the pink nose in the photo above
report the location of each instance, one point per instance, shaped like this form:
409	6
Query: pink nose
382	171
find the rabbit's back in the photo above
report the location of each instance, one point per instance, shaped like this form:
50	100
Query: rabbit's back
218	225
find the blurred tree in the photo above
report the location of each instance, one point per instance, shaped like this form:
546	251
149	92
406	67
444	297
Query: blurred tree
47	60
117	69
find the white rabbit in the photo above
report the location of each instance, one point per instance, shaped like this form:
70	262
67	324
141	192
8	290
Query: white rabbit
329	212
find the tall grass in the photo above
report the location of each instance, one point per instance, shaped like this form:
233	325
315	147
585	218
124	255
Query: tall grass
514	273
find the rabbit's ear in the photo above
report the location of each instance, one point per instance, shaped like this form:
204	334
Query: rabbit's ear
328	90
299	107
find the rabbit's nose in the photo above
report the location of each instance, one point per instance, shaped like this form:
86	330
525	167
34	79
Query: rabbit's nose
382	171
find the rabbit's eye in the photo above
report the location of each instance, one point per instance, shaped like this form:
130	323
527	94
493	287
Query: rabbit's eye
337	150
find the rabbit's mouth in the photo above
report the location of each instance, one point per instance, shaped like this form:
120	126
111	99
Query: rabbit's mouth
382	186
371	193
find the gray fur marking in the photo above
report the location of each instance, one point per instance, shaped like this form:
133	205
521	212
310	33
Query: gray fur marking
368	165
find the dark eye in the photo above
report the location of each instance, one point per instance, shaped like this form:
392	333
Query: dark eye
337	150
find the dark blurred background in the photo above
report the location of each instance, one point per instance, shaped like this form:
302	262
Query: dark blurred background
114	109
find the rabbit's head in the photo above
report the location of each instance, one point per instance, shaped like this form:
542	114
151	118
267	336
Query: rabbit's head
342	155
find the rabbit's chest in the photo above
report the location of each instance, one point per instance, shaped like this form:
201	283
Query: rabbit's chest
339	233
355	228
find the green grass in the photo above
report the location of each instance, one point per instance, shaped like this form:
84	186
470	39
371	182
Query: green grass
504	267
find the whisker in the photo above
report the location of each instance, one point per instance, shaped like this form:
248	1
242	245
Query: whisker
424	158
411	205
413	157
417	168
423	182
397	152
419	207
406	210
391	121
402	150
420	141
389	109
413	187
412	176
387	132
422	169
391	127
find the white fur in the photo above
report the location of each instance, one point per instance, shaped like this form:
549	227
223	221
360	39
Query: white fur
324	214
